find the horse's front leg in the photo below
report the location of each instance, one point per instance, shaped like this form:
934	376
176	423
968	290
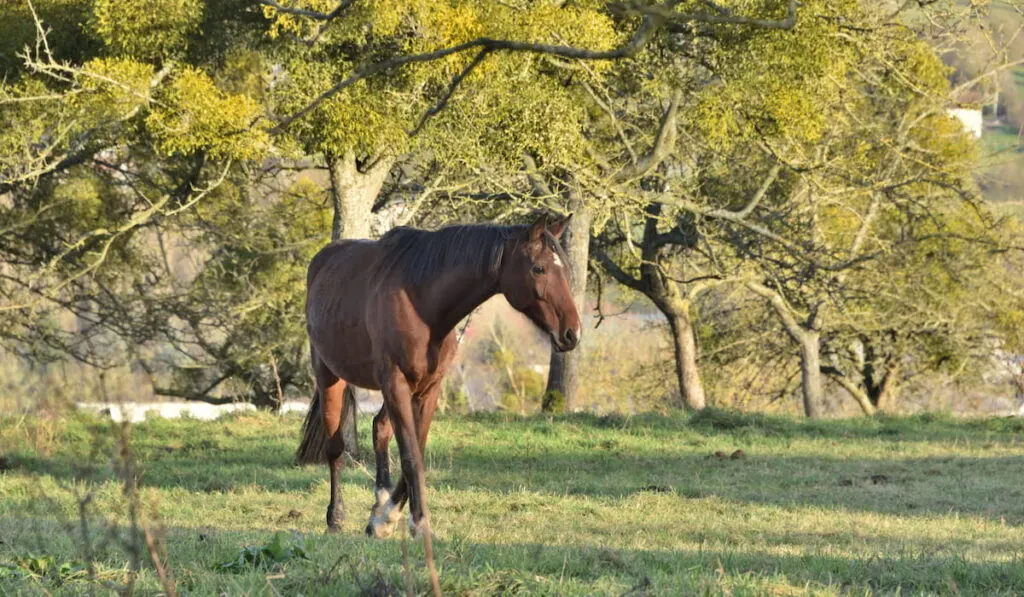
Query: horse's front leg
399	401
424	406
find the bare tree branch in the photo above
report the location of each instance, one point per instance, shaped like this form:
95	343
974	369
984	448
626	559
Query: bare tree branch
773	175
855	391
540	186
613	269
436	108
781	307
723	16
664	144
309	14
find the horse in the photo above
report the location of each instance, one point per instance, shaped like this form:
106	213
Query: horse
382	315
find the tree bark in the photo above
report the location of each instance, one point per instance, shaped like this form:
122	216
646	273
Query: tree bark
888	388
810	372
691	387
666	295
855	391
563	373
808	338
353	193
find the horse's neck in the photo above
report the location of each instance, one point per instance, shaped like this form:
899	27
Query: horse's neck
450	297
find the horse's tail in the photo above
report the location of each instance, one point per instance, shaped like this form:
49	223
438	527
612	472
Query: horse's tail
313	449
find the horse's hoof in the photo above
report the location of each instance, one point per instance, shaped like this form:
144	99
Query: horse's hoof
381	531
333	529
379	528
416	530
335	518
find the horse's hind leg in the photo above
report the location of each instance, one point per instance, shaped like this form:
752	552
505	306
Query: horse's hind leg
332	390
385	512
382	434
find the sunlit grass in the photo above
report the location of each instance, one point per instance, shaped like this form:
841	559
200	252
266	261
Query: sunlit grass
576	505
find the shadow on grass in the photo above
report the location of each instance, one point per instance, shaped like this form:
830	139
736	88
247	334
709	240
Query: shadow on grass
484	568
614	457
928	427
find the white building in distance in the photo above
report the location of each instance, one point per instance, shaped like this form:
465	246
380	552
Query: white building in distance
971	118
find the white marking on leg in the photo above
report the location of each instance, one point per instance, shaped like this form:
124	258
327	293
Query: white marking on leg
417	529
389	513
383	495
383	519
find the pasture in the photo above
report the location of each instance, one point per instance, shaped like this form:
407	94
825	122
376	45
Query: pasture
574	505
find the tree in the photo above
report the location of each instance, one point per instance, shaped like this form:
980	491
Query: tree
776	188
127	128
843	215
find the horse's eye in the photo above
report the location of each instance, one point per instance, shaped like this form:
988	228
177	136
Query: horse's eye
538	269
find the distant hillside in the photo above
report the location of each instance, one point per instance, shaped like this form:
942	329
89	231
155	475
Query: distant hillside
1001	97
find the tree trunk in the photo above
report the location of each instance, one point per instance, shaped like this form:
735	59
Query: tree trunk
353	194
810	373
888	389
691	387
856	392
563	373
808	338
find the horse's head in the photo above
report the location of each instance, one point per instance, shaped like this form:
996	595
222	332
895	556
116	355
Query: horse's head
535	280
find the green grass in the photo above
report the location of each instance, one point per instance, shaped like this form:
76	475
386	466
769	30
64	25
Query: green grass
999	172
579	505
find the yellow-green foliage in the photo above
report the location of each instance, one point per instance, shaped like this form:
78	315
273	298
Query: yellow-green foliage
780	81
496	124
81	198
505	100
244	72
113	88
23	123
62	18
364	118
795	83
194	114
146	29
261	252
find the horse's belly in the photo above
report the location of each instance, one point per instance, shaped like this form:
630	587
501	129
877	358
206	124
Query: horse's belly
346	350
354	370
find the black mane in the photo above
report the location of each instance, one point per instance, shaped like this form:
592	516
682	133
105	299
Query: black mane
423	254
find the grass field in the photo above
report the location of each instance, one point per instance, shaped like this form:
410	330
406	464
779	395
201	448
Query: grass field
579	505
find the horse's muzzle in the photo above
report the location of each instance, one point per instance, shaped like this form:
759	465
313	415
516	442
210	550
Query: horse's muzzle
568	341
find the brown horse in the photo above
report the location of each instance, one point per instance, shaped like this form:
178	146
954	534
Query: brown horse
381	315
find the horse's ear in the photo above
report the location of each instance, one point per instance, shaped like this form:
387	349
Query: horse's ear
558	227
537	230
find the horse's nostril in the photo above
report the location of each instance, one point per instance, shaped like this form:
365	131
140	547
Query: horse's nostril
570	337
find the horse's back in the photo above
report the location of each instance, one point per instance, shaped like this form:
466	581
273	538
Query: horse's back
336	253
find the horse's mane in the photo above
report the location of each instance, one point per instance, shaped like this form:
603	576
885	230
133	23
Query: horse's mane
420	255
